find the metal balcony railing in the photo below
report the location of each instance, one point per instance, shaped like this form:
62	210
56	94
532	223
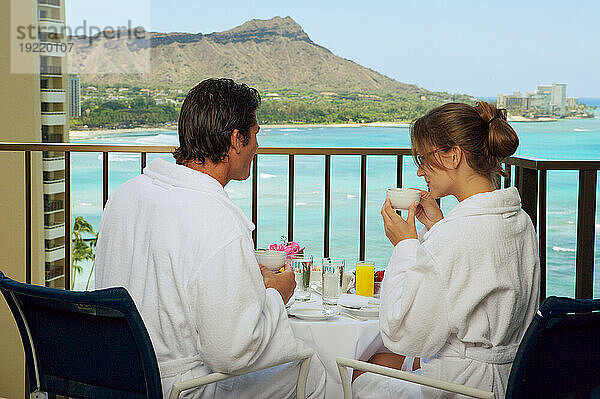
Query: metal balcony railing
50	70
52	137
49	2
528	175
53	205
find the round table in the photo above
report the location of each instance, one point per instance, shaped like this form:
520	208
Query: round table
338	336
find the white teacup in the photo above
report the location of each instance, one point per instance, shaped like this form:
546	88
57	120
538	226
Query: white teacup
402	198
272	260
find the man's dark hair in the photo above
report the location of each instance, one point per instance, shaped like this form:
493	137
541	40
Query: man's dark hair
209	114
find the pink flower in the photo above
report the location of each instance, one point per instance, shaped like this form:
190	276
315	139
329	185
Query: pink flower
291	248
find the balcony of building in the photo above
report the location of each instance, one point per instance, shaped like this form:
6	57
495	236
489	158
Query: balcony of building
53	164
528	175
53	95
53	48
50	25
54	118
54	186
52	206
55	231
54	253
49	3
51	70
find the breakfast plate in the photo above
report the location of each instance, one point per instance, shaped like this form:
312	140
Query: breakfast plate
314	313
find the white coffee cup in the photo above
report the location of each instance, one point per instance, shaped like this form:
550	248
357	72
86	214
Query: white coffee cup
402	198
272	260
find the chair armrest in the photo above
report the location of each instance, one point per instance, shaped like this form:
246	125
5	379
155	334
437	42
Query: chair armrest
343	363
304	356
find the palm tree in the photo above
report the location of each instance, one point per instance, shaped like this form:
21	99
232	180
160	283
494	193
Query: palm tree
83	248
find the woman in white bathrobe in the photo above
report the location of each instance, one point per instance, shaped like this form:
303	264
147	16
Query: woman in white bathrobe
458	296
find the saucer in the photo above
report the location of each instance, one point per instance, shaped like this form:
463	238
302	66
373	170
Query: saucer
314	313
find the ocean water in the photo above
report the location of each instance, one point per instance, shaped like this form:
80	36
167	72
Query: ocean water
565	139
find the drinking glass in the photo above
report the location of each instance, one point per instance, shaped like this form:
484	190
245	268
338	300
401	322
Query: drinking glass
365	278
302	265
332	273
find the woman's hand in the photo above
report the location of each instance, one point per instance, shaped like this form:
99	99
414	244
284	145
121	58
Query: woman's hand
428	212
396	228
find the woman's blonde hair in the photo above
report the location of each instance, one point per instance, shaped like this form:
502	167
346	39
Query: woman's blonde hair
482	132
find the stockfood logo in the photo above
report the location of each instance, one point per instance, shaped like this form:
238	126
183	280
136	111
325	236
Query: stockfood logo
53	47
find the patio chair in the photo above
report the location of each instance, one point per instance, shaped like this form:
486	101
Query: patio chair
559	357
94	345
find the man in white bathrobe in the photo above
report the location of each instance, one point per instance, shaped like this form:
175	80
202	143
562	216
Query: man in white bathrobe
184	251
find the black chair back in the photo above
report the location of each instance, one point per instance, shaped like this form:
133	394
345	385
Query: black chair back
83	344
559	356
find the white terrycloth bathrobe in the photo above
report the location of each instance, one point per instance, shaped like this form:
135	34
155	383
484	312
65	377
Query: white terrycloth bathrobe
463	294
184	252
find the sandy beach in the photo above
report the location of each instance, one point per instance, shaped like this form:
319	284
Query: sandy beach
89	133
518	118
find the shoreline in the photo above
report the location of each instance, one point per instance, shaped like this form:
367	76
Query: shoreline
88	133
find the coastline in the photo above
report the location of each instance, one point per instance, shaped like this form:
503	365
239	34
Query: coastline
90	133
517	118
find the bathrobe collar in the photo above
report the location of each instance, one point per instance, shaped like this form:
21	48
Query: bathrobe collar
494	202
183	177
505	202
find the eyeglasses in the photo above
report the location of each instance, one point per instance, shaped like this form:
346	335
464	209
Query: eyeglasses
421	157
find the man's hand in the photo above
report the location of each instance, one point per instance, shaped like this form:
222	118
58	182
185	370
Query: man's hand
283	282
428	212
396	228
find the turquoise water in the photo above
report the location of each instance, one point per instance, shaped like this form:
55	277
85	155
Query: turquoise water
565	139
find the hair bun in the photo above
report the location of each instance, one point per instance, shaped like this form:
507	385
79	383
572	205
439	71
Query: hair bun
502	140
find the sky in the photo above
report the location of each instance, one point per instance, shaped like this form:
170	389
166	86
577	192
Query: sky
480	48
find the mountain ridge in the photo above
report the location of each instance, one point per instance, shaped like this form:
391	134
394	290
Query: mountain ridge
268	54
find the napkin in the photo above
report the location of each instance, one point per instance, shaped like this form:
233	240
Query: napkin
358	301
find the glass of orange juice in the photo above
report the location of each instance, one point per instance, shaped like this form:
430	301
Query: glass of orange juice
365	278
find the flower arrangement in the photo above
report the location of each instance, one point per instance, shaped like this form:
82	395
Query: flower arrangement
289	247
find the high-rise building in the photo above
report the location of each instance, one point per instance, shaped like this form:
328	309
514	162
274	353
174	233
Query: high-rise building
558	99
33	108
550	100
540	100
74	96
509	100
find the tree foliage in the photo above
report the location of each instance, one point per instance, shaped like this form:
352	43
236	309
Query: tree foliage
84	244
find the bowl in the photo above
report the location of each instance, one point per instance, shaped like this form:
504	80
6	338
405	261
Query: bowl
272	260
402	198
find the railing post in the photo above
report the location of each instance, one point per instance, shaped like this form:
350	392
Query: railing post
67	210
143	162
104	179
586	224
507	168
255	200
28	217
290	236
527	184
363	205
327	216
399	171
542	234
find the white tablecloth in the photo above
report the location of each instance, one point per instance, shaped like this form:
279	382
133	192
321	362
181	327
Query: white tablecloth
339	336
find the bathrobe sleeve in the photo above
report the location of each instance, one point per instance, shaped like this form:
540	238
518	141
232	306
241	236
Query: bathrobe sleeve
413	317
241	326
421	234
